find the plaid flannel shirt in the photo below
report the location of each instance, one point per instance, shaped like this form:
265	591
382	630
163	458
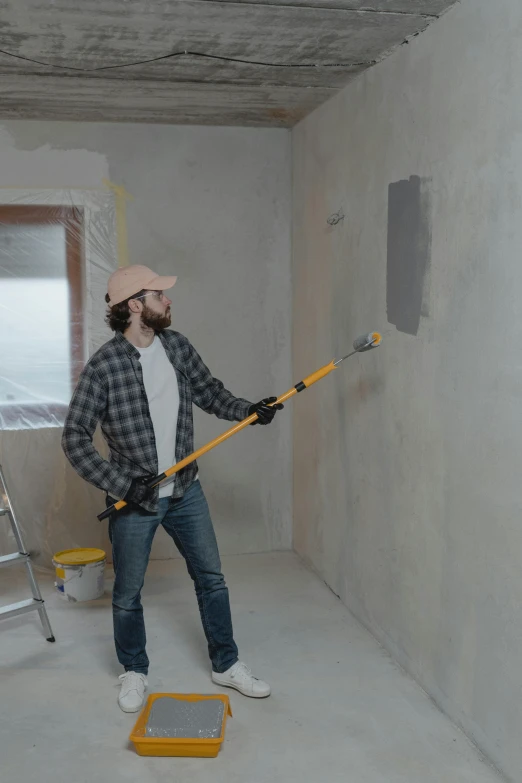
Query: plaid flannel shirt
110	392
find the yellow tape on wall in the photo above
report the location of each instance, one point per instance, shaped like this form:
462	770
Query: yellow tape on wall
120	197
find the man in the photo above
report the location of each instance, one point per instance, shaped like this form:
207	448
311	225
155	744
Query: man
140	387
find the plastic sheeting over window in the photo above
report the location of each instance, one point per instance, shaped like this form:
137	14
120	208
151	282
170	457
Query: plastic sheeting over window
57	249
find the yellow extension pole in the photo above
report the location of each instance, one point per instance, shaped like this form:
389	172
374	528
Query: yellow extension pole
316	376
304	384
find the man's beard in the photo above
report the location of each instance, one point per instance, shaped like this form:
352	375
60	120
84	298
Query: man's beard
155	321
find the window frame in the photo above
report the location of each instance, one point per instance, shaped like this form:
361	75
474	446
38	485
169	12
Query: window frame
72	218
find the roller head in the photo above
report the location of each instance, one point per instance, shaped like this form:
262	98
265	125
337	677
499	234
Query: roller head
363	343
367	341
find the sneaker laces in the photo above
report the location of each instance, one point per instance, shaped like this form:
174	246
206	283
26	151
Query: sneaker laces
130	682
244	671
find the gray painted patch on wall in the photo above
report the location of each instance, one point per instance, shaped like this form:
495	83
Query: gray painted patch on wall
408	252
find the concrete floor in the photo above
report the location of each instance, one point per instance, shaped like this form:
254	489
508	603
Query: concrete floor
341	711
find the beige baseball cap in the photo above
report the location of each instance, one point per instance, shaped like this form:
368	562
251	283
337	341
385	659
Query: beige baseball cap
128	280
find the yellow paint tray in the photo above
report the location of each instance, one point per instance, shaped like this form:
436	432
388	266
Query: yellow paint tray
178	746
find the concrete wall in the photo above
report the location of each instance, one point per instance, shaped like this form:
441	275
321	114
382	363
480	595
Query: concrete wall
213	207
407	462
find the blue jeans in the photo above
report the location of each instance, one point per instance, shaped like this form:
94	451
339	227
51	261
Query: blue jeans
187	520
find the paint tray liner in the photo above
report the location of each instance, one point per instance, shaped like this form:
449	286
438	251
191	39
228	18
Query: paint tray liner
175	724
177	718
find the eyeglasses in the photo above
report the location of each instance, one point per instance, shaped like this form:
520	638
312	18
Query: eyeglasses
156	294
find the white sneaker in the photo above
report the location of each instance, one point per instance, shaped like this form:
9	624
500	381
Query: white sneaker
132	693
240	677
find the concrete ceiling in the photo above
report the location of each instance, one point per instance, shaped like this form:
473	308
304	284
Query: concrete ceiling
216	62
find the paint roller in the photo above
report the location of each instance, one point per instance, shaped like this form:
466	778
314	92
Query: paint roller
364	343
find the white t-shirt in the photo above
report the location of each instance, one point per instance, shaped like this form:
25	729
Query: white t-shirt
161	386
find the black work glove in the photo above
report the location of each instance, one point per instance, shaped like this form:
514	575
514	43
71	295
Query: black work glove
139	491
265	412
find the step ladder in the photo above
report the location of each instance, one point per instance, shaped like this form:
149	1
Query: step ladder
22	556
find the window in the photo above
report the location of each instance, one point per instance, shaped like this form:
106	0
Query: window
41	320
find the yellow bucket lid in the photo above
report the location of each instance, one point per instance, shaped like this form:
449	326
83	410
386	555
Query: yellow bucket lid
79	556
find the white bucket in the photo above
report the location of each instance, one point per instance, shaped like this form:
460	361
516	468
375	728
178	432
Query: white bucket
80	574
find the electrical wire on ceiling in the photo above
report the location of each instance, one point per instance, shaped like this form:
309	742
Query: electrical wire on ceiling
188	53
